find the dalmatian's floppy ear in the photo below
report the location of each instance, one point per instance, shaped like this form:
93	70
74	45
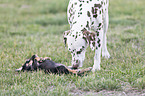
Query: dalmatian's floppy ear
65	36
90	38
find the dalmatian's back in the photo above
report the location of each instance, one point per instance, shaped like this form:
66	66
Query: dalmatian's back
83	13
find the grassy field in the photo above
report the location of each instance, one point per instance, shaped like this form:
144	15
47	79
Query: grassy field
30	27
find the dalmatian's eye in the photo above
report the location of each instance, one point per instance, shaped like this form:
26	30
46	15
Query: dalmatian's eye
79	52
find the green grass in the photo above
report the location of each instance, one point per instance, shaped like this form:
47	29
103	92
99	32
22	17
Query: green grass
30	27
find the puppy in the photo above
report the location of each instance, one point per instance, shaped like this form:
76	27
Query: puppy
38	63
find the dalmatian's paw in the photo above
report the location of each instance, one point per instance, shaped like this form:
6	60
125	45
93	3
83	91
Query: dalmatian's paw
96	68
105	54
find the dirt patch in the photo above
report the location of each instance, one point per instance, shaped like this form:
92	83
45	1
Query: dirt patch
4	5
107	93
25	6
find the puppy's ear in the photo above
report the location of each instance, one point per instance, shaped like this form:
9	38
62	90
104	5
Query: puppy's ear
65	36
90	38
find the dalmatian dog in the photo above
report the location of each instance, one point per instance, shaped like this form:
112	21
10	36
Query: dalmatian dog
88	21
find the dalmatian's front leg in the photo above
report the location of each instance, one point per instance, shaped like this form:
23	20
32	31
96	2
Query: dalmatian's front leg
97	26
99	41
97	57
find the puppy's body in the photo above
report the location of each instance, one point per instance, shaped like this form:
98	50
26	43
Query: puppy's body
83	17
35	63
50	66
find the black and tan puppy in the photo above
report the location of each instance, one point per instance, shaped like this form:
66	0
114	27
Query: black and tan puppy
38	63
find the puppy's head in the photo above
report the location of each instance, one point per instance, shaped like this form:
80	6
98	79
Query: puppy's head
29	65
77	42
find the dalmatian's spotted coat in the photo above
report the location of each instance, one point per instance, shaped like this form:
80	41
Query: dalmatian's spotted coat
88	21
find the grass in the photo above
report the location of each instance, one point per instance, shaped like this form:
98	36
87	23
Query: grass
30	27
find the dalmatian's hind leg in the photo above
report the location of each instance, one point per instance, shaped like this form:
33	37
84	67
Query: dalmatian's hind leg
105	52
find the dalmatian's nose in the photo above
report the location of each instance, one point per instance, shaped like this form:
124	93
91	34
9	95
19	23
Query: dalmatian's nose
76	65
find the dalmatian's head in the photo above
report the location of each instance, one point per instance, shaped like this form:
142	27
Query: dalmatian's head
77	42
